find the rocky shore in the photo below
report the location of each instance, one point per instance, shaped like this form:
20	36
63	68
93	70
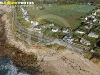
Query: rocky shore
52	63
25	62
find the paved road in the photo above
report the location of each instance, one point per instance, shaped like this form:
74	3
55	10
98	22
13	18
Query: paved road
69	45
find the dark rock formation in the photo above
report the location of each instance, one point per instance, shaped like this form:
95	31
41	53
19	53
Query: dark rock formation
25	62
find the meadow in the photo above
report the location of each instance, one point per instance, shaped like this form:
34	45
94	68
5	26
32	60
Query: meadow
69	12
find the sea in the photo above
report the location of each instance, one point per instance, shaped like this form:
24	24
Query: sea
7	67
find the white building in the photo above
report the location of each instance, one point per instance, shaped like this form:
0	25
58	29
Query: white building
85	42
68	38
91	34
35	23
80	32
37	28
86	18
54	29
94	20
51	24
98	10
94	13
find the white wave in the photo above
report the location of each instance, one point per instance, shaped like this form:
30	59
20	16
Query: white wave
12	70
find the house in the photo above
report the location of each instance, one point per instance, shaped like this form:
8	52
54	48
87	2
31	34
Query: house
80	31
32	22
94	20
35	23
90	3
37	28
68	38
65	30
99	21
98	10
54	29
25	15
88	26
94	13
85	42
86	18
91	34
51	24
98	27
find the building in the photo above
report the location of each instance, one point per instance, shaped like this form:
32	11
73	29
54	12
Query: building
80	31
37	28
98	10
35	23
98	27
91	34
51	24
65	30
68	38
85	42
54	29
88	26
86	18
94	13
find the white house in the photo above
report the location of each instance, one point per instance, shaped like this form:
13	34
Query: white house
54	29
88	26
98	10
94	13
80	32
32	22
65	30
85	42
37	28
51	24
35	23
86	18
91	34
68	38
98	27
94	20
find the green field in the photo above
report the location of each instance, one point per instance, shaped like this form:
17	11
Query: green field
69	12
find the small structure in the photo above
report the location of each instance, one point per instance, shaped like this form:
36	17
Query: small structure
98	10
35	23
80	31
90	3
85	42
94	13
32	22
91	34
68	38
37	28
51	24
25	14
94	20
88	26
54	29
86	18
65	30
98	27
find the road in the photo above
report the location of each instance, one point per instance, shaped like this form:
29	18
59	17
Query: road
46	41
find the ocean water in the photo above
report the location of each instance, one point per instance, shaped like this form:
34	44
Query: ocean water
7	68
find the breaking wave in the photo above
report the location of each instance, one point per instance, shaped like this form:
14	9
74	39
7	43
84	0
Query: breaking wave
6	67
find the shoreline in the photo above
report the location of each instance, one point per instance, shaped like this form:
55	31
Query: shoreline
58	63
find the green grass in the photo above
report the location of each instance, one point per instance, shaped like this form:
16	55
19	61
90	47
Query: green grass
21	20
97	4
68	12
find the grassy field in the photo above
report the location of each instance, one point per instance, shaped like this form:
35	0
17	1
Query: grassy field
69	12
